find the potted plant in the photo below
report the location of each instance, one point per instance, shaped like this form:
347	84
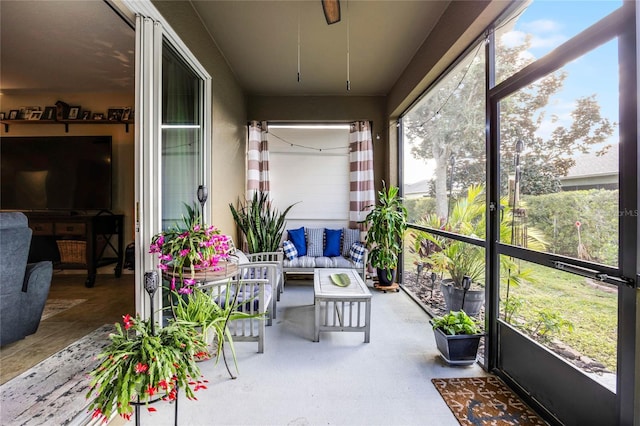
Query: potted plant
387	223
463	264
261	224
191	252
142	366
211	317
201	311
457	337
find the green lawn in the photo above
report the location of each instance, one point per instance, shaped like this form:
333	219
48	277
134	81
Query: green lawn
592	311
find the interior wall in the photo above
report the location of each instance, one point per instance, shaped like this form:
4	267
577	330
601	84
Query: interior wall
330	109
123	142
229	117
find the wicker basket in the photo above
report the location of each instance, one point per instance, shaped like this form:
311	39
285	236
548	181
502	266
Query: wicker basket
72	251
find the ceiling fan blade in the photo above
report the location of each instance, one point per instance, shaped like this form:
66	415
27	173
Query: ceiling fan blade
331	11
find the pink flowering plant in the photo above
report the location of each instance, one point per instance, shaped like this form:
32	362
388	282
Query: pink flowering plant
140	366
188	249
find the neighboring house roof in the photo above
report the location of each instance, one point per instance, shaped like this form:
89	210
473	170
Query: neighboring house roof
417	189
593	171
594	165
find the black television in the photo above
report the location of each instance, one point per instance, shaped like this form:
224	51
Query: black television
44	173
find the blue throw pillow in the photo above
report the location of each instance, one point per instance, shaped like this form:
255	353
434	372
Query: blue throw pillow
356	252
296	236
289	250
332	239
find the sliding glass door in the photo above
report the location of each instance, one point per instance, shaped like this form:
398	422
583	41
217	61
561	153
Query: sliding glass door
173	104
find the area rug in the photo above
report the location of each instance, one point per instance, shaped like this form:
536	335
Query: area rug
53	391
485	401
55	306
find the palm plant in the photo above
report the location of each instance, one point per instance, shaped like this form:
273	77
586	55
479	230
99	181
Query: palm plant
459	259
261	224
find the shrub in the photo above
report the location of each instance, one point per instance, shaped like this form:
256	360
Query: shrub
596	210
418	208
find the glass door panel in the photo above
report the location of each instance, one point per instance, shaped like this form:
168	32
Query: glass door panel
559	160
182	158
573	316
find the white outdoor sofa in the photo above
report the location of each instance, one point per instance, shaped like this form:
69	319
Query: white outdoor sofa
325	248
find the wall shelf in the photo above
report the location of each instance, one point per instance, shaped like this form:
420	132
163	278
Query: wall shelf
66	123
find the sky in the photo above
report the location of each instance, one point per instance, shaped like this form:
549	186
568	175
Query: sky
551	23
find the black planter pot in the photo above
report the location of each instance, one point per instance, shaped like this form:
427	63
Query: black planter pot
461	349
383	278
454	298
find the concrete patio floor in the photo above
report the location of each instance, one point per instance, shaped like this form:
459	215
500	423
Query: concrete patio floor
338	381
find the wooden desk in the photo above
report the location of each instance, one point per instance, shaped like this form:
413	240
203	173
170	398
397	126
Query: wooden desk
89	235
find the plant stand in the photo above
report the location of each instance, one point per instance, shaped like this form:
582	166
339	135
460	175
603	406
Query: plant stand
151	283
137	405
385	288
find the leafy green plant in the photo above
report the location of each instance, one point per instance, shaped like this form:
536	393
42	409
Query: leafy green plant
459	259
140	366
511	306
548	323
199	309
387	224
261	224
456	322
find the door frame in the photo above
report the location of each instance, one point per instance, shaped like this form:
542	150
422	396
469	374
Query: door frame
549	383
151	30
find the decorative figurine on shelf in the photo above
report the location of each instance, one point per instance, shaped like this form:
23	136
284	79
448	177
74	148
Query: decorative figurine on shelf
62	110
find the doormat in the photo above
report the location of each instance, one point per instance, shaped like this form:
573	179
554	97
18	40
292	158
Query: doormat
485	401
55	306
53	391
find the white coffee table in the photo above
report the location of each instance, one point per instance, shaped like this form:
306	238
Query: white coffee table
341	308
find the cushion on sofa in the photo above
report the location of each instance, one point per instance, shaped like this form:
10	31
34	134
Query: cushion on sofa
332	240
300	262
290	251
333	262
315	240
356	252
350	236
297	237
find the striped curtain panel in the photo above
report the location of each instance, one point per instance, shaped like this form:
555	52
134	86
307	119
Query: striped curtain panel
361	188
257	159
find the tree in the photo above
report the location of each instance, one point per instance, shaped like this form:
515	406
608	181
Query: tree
448	126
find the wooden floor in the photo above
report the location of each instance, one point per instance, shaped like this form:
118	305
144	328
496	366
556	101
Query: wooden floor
106	302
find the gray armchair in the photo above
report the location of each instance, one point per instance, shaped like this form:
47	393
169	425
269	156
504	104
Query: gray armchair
24	288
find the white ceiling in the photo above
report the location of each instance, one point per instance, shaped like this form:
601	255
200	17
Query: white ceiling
82	46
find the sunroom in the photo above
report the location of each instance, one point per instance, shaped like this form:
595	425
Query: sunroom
477	130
